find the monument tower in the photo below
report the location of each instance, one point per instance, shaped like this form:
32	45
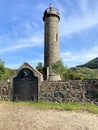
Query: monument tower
51	19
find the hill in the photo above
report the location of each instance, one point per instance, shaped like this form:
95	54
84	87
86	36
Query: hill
93	64
76	73
85	73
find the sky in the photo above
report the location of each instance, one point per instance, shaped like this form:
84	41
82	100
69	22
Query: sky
22	31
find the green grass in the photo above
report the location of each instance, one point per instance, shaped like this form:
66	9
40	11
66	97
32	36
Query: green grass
68	106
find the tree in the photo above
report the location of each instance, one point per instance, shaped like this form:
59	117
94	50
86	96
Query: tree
5	73
59	68
1	66
2	69
66	73
39	67
8	73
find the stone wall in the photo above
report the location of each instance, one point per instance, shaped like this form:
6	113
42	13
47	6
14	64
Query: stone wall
74	90
5	90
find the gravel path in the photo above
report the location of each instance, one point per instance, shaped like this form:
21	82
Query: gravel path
15	117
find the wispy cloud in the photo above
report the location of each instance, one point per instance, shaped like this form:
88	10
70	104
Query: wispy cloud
22	35
15	44
75	58
80	20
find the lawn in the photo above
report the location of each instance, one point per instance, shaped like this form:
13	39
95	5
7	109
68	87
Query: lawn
65	106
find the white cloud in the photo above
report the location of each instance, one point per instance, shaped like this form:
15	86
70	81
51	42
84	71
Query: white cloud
75	58
15	44
77	22
23	34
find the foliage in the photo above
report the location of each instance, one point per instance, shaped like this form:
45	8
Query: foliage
8	73
87	73
2	70
39	67
59	68
66	73
76	73
5	73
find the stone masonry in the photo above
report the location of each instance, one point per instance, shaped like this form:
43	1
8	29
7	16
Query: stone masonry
73	90
51	42
5	90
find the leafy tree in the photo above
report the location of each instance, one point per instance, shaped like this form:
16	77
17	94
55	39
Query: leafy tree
8	73
5	73
77	73
2	69
1	65
66	73
39	67
59	68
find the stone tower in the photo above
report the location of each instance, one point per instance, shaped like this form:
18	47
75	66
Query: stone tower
51	42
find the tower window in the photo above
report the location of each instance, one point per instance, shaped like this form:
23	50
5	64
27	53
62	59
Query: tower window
56	37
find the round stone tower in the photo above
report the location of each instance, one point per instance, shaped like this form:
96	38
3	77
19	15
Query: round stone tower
51	42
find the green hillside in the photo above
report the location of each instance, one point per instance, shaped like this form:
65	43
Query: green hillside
86	73
93	64
77	73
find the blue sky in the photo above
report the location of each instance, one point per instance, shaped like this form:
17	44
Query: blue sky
22	31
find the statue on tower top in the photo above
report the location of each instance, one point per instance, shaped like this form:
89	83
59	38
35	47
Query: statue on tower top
51	11
50	6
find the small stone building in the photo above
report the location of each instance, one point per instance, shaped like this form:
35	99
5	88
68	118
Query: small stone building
25	84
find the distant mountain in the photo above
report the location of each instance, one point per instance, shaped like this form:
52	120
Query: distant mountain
93	64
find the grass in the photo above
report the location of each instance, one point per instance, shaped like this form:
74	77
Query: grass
57	106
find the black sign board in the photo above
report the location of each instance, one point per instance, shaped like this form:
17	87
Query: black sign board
25	86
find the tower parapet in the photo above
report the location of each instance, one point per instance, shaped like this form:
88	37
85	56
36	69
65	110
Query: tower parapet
51	11
51	19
